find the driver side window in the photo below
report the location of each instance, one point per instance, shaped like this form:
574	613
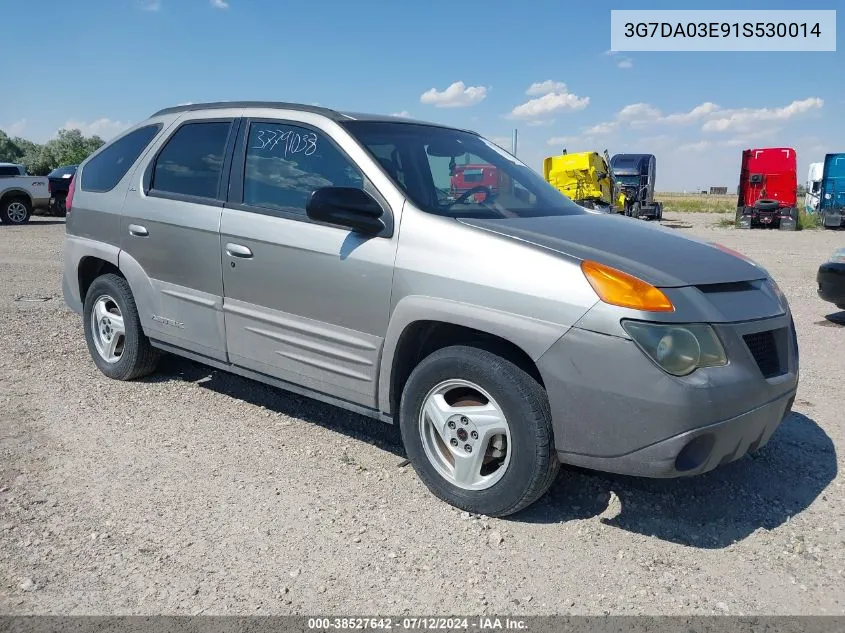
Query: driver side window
286	163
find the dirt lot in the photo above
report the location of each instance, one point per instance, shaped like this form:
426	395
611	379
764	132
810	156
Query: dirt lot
200	492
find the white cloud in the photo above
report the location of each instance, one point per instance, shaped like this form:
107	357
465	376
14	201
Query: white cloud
540	123
14	129
625	63
744	118
698	112
547	104
602	128
694	147
404	114
150	5
458	95
610	52
638	111
574	143
658	140
562	141
219	4
104	128
545	87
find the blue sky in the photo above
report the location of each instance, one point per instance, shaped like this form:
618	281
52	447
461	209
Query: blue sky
110	63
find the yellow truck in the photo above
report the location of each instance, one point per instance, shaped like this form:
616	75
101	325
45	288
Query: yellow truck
586	179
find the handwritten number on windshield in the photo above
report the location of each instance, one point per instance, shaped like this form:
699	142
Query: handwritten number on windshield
286	142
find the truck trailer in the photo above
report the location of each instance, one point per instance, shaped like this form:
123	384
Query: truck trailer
814	187
636	175
832	192
768	189
586	179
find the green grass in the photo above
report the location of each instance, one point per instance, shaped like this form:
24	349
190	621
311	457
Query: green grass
696	203
808	221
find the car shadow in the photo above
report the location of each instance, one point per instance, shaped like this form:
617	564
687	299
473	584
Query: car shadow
709	511
359	427
836	318
37	221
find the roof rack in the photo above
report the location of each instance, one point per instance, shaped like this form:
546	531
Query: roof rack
280	105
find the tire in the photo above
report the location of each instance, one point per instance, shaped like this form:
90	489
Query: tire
659	215
530	463
136	356
635	210
767	205
16	211
60	208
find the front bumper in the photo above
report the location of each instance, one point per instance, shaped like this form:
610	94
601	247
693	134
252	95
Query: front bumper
831	281
833	217
614	410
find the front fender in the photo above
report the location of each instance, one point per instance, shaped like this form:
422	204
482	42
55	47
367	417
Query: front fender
533	336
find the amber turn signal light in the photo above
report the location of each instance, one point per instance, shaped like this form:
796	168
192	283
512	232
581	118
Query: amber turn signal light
621	289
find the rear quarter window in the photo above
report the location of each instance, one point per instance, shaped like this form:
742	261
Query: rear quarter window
106	169
8	170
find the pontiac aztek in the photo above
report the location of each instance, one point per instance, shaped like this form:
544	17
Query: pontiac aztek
326	253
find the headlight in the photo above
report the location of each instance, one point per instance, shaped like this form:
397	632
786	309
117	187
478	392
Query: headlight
678	349
778	293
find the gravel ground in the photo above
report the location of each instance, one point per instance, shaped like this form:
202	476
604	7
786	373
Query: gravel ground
195	491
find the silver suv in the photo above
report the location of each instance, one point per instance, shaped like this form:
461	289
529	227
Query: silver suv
421	275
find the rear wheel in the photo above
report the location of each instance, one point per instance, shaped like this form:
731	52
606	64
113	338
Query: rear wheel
477	430
113	330
16	211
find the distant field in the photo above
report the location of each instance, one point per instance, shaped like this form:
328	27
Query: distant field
702	203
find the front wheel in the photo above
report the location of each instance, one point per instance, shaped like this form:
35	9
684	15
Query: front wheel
635	210
477	430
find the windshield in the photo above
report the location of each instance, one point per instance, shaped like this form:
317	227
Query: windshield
628	180
459	174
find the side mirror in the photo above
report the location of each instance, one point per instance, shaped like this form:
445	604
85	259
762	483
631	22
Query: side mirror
346	206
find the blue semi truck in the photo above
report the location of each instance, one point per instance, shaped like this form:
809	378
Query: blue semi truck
832	194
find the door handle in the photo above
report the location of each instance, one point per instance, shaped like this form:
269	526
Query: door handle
237	250
138	231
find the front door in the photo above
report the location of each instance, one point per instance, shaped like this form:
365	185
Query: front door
304	302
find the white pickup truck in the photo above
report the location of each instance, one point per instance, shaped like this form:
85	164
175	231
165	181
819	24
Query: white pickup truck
20	194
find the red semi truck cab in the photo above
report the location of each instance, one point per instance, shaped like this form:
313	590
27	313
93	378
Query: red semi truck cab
466	177
768	188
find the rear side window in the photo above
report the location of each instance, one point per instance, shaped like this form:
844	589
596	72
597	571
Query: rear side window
192	160
105	170
9	170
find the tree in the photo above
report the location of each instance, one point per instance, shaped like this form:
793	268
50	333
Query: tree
69	147
33	157
10	152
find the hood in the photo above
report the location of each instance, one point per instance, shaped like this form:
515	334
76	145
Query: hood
657	255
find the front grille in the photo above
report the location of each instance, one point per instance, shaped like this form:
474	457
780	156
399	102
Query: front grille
771	356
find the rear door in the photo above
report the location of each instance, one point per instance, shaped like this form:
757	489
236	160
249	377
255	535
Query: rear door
305	302
171	232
